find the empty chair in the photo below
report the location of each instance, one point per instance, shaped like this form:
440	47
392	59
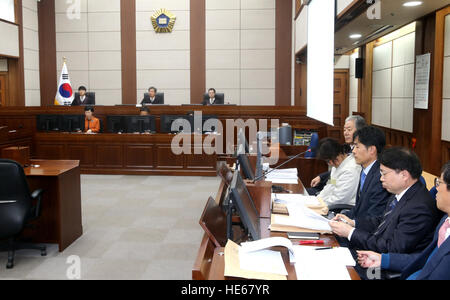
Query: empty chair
18	207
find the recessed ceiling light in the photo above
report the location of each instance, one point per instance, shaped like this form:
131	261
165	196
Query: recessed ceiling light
412	3
355	36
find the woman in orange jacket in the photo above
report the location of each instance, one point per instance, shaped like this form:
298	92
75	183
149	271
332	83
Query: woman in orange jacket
91	123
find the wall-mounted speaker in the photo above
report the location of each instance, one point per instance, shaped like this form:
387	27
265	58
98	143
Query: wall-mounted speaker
359	68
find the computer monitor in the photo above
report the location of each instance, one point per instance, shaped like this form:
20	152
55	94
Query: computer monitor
180	123
246	167
48	122
245	207
72	123
116	124
140	124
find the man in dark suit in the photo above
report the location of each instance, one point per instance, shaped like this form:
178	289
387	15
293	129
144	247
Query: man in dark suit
410	217
82	98
152	98
371	197
211	99
434	262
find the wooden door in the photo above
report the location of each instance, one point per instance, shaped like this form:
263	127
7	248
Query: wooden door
2	90
341	99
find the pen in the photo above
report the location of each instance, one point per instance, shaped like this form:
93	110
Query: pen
344	221
319	242
326	248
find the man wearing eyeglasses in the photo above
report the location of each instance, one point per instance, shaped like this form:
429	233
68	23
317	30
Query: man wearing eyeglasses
434	262
409	218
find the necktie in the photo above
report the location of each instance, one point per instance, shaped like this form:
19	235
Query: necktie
362	180
443	232
388	212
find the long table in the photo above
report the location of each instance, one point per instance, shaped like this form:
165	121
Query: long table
210	262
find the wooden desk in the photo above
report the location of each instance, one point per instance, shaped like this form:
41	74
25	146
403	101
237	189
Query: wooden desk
213	263
60	221
217	266
128	154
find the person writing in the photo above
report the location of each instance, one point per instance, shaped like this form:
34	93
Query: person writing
433	263
343	183
91	123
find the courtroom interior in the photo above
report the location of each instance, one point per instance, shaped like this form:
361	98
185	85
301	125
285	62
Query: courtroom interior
197	139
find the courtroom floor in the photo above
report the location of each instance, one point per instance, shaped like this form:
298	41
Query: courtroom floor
135	227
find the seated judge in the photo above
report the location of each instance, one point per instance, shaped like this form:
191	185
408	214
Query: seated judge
352	124
343	183
91	123
409	218
152	98
433	263
82	98
210	99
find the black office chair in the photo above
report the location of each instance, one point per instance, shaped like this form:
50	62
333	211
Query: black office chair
158	95
17	208
220	98
89	94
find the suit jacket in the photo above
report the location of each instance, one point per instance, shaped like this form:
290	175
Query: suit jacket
216	101
372	200
158	100
407	229
87	101
437	268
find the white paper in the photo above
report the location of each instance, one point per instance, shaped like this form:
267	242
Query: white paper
323	264
296	198
303	217
273	262
422	83
268	243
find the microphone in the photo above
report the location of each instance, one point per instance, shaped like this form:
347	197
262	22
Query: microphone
276	168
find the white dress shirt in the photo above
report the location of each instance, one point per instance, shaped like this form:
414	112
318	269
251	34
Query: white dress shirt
342	186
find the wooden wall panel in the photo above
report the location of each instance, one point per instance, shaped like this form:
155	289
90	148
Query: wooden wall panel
47	51
198	49
283	53
109	156
139	156
128	40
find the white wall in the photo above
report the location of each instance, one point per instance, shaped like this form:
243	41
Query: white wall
240	50
31	53
301	29
163	59
10	39
3	65
92	46
446	84
393	84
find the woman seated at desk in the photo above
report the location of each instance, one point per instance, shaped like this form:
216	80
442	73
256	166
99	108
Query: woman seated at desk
91	123
343	183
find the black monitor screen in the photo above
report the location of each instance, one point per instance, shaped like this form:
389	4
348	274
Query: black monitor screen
72	123
246	167
140	124
48	122
181	123
245	207
116	124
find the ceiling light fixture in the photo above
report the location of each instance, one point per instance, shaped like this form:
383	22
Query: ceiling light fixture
355	36
412	3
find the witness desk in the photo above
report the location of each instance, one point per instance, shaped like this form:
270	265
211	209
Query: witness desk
60	220
210	262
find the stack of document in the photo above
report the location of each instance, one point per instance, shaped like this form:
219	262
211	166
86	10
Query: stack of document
328	264
295	198
287	176
301	217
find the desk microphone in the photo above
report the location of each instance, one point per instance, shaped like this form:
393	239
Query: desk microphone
276	168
